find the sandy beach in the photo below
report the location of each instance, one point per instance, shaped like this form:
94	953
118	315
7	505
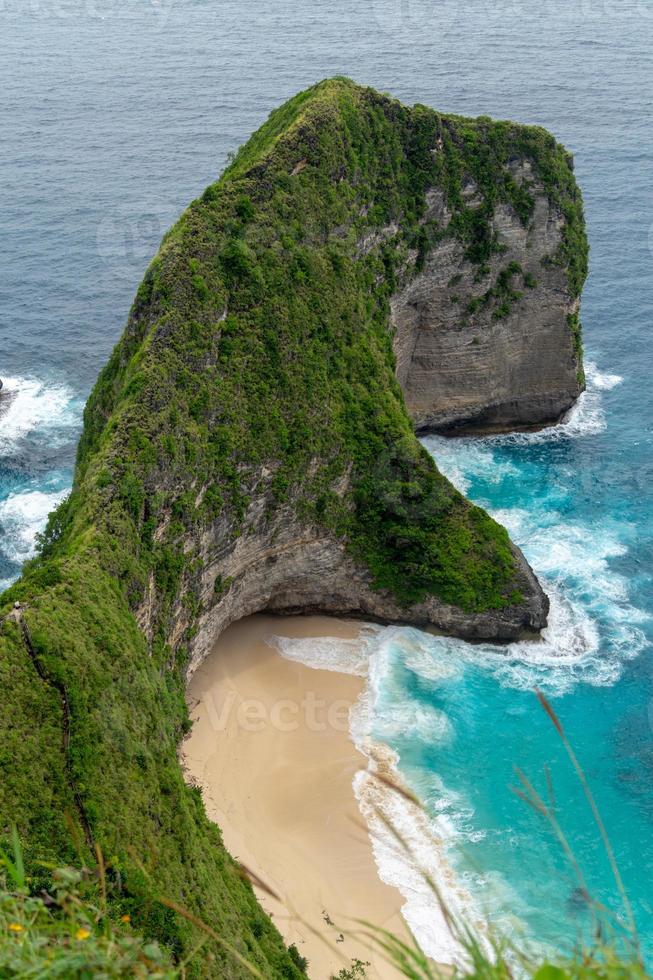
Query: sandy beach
271	749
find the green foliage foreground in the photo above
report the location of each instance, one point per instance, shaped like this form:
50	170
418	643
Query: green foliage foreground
70	933
259	339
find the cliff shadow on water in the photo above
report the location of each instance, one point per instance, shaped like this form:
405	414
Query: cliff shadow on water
361	269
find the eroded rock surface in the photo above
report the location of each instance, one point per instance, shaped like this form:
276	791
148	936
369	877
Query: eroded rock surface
466	363
292	568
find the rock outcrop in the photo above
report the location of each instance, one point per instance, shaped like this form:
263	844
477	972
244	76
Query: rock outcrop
468	362
291	568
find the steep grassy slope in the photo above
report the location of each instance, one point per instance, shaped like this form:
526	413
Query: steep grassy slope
256	369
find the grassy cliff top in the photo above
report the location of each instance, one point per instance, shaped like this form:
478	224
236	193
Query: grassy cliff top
258	340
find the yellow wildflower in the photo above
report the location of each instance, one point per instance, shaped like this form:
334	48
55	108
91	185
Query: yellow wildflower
16	927
125	918
82	934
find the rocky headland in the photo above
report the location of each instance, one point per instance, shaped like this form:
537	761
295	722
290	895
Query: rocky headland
362	270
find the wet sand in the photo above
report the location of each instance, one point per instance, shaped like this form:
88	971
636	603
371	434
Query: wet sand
271	749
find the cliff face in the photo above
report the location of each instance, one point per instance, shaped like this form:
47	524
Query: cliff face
284	565
471	356
248	447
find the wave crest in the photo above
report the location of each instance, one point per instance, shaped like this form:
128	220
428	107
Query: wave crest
29	406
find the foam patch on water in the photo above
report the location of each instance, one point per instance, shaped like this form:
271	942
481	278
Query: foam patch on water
22	517
592	629
413	720
461	459
417	657
384	711
33	414
599	379
29	406
404	866
329	653
428	844
570	652
585	418
593	625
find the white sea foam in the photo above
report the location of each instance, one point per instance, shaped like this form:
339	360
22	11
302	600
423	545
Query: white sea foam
427	840
460	460
22	517
585	418
418	659
411	719
598	379
329	653
430	835
457	459
592	629
33	406
425	852
49	414
593	626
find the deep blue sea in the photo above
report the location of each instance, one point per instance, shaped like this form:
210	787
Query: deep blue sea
115	114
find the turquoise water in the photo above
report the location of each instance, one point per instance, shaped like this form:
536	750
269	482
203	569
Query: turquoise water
464	719
579	519
114	115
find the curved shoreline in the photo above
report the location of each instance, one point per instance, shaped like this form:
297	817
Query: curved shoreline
272	752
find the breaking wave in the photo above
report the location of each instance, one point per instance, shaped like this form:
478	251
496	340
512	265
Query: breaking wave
36	418
594	628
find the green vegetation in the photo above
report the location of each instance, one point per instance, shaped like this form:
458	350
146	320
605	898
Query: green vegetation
574	325
503	292
258	338
67	932
70	932
357	971
483	150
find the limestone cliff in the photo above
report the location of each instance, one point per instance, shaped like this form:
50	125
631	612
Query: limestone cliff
474	357
287	566
248	447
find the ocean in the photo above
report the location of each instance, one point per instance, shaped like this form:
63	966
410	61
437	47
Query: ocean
115	115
